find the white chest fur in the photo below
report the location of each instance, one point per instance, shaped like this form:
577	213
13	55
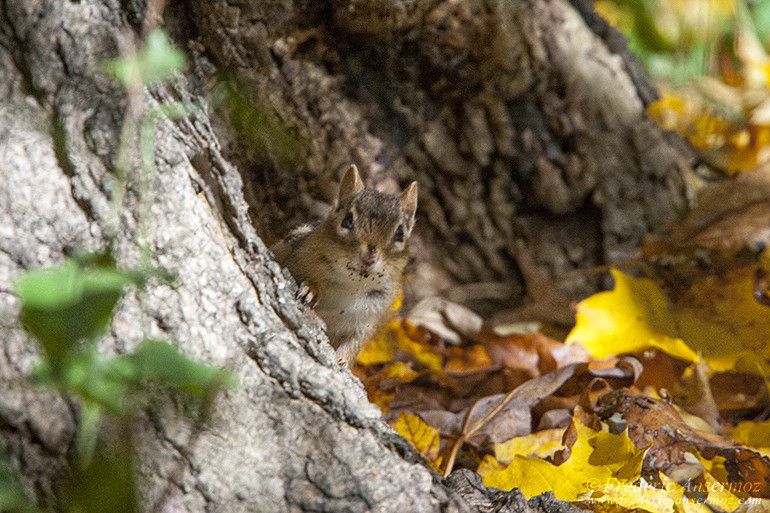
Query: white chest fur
354	305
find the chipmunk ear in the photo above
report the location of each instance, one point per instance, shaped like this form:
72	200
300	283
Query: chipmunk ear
351	184
409	204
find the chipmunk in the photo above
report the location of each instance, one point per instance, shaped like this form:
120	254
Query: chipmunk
351	264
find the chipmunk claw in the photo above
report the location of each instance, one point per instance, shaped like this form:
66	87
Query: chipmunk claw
306	296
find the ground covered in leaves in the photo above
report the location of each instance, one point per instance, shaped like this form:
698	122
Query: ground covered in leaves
658	400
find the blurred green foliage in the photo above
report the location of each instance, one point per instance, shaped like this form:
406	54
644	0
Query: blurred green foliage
157	60
12	496
65	305
67	308
275	145
680	39
710	60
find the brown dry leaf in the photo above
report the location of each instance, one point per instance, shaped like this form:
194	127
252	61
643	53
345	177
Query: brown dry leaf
731	215
739	395
514	419
534	352
655	423
659	370
468	372
450	321
694	396
515	416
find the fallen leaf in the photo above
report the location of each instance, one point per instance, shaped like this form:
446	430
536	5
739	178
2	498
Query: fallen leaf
753	434
541	444
718	319
632	317
423	438
489	465
380	387
595	458
466	360
452	322
656	424
533	352
619	497
382	347
706	496
413	341
514	417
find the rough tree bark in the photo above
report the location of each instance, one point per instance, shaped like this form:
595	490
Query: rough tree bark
522	120
539	129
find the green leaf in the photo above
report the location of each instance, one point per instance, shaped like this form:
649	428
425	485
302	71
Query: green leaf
646	29
106	484
159	360
95	380
66	304
157	61
88	431
12	496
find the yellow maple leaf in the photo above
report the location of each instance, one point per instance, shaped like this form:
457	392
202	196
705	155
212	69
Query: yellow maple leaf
729	143
424	438
753	434
718	319
714	466
541	444
399	370
633	317
382	347
400	335
596	459
489	465
718	498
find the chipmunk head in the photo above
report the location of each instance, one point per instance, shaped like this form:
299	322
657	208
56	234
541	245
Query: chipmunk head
374	226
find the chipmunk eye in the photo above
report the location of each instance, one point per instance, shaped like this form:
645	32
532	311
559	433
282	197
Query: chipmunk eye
347	221
399	236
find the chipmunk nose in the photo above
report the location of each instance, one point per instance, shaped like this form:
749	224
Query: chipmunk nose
368	256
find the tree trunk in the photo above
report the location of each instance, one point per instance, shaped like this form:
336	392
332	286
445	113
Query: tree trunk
520	120
523	121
